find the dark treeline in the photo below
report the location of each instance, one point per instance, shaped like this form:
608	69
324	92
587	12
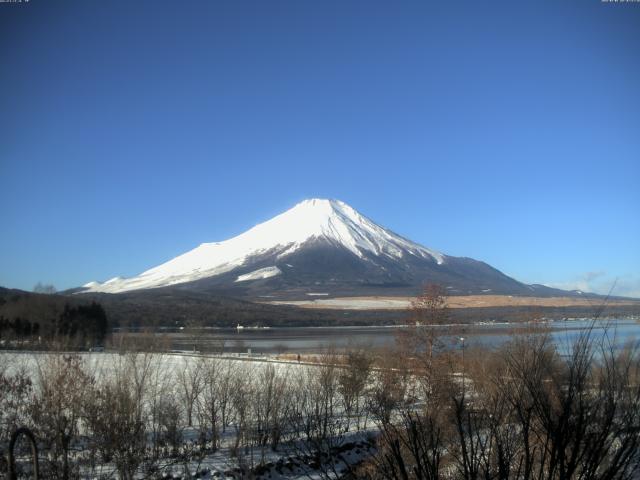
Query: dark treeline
40	319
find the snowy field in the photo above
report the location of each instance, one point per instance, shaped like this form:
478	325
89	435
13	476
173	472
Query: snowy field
184	399
170	364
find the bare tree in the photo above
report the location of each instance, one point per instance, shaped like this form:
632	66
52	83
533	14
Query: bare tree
190	378
324	429
160	380
353	380
586	409
56	408
526	412
420	341
390	386
215	402
269	408
242	393
169	420
115	425
411	447
210	404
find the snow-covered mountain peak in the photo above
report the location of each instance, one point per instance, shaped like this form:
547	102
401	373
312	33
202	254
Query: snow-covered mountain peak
311	220
314	215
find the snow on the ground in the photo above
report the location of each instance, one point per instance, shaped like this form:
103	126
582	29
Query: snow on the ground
103	363
288	461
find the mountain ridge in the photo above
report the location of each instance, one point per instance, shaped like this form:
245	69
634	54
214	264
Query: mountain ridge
319	246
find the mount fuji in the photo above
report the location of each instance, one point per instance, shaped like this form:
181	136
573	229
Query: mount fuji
319	247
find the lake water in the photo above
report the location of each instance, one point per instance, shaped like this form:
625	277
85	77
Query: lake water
313	339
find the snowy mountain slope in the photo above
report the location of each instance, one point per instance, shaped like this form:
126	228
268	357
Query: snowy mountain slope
318	247
311	221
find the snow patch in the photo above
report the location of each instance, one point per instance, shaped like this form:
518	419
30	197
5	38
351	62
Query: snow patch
259	274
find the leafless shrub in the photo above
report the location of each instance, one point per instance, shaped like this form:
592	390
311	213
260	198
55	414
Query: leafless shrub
353	381
56	409
214	405
420	342
242	393
190	379
525	412
115	425
169	420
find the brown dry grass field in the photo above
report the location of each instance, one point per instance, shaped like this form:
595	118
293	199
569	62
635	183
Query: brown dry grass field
467	301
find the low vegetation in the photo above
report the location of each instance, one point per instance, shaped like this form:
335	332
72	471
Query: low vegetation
529	409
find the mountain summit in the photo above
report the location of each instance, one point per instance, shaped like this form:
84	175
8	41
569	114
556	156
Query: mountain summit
317	247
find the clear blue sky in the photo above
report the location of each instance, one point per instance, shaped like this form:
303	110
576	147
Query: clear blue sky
132	131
